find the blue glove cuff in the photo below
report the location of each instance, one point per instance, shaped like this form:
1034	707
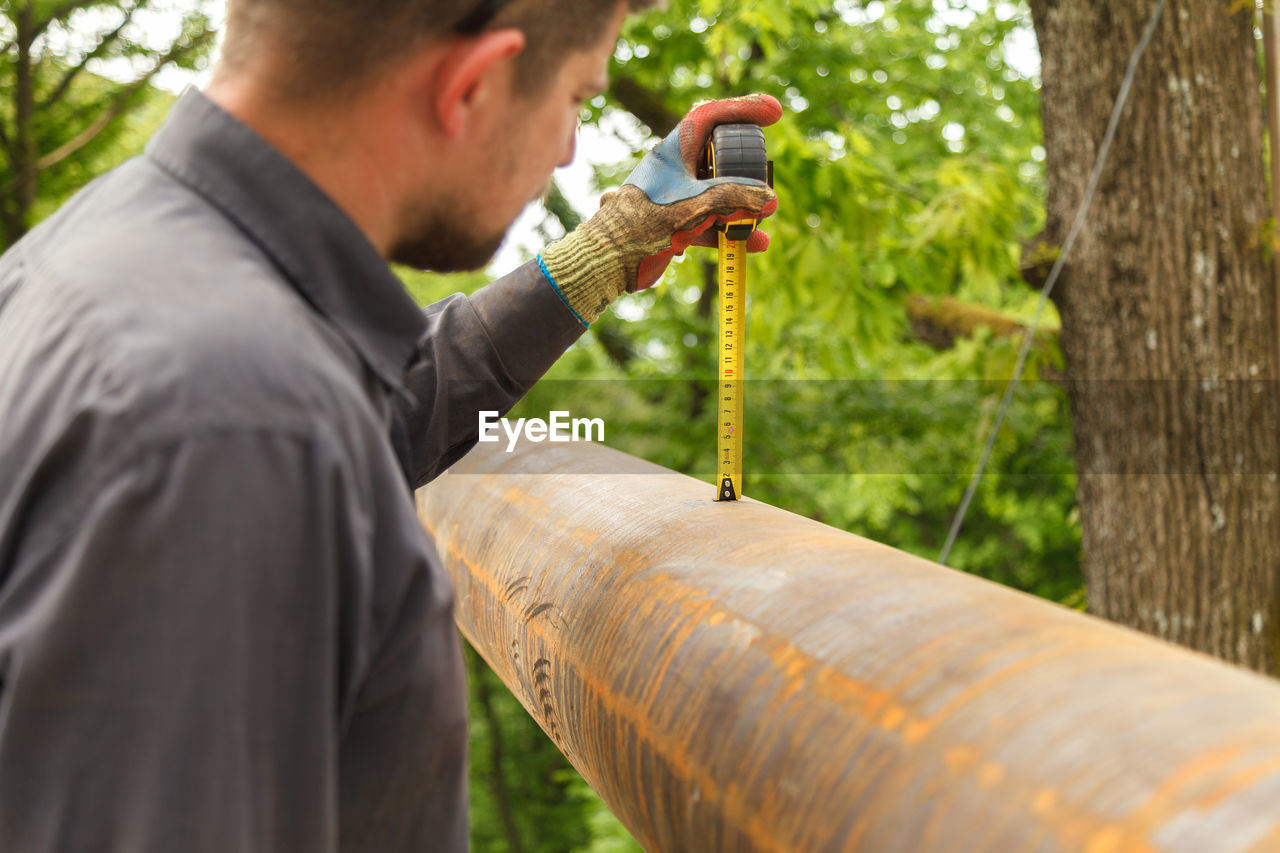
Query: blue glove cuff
662	175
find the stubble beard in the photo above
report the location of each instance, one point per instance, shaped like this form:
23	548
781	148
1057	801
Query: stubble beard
440	239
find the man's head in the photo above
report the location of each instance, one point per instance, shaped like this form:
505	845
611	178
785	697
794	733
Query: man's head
337	47
432	122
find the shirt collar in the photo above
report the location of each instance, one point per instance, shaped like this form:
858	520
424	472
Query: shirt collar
317	246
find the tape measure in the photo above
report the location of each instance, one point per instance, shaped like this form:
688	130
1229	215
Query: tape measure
735	150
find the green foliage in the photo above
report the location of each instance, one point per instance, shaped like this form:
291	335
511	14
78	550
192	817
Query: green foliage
78	96
427	287
870	184
908	162
524	793
126	138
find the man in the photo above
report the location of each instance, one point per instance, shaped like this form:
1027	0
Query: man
221	627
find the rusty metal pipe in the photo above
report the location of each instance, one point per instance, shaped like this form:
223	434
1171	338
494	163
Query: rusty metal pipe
729	676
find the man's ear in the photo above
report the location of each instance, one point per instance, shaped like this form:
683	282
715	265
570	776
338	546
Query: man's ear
466	67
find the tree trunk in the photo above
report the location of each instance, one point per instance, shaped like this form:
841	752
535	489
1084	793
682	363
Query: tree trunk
480	676
21	193
695	356
1169	320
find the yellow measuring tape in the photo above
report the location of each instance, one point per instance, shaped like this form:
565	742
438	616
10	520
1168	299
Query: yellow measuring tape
733	301
735	150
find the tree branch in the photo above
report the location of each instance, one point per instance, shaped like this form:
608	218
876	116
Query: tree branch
107	40
560	207
480	676
695	355
938	322
60	12
118	104
644	105
1038	258
615	343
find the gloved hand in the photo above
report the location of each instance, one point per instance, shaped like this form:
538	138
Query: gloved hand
660	211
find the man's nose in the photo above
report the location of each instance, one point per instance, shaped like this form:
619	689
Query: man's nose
570	148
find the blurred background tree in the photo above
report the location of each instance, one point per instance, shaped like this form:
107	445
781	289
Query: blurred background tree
60	122
1169	319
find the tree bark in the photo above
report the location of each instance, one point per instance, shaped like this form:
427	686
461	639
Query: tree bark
1168	320
22	157
34	70
480	676
695	357
645	105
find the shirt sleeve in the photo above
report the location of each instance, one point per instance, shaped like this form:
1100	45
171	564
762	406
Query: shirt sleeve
481	353
195	638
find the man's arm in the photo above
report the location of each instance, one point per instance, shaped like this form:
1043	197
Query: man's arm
482	352
187	644
484	355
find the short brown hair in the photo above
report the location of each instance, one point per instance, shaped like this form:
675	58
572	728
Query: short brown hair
333	46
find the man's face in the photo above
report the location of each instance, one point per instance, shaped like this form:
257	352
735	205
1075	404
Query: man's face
461	228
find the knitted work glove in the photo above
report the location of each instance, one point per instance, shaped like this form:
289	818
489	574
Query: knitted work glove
660	211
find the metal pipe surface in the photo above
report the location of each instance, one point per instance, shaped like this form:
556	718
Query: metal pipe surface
729	676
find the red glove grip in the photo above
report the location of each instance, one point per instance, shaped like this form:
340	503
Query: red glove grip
695	130
696	127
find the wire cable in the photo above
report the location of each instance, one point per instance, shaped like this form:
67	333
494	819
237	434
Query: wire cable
1100	162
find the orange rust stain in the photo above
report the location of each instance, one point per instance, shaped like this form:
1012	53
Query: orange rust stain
797	667
789	691
1269	844
1239	782
673	640
827	683
961	758
925	725
1106	840
738	812
991	774
1162	803
1099	835
1185	775
1044	802
916	730
793	663
927	652
1117	839
516	496
892	717
853	841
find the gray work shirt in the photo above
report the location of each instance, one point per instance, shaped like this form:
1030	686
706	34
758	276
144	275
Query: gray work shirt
221	626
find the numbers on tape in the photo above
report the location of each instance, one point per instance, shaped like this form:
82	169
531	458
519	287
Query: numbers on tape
733	286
